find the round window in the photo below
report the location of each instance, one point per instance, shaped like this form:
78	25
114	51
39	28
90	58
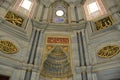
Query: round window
59	13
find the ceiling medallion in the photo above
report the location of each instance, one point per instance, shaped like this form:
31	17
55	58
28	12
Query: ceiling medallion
59	13
8	47
109	51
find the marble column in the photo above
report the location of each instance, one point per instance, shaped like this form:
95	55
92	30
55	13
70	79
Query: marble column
80	13
94	76
72	7
45	17
39	12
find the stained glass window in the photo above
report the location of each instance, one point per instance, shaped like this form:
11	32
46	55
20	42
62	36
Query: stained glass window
59	20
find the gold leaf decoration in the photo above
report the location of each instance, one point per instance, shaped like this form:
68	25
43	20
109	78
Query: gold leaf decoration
104	23
8	47
108	51
14	18
65	48
49	47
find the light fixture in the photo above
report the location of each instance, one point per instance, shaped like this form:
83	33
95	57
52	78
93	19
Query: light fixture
59	13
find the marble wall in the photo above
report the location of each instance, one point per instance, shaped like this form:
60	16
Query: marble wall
86	41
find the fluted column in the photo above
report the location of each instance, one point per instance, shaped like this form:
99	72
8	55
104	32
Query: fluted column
81	48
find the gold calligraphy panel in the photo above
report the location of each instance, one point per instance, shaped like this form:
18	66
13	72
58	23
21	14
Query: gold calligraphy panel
104	23
58	40
7	47
14	18
108	51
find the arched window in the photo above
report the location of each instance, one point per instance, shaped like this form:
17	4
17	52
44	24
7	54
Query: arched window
94	9
59	12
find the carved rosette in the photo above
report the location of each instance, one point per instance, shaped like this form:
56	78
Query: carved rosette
7	47
109	51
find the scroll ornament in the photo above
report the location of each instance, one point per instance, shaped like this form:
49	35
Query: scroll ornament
7	47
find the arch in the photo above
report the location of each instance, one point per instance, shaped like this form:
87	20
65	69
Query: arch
58	5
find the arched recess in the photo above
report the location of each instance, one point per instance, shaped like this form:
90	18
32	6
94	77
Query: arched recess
54	7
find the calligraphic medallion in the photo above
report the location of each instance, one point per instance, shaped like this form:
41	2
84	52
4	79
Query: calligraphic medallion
109	51
14	18
104	23
8	47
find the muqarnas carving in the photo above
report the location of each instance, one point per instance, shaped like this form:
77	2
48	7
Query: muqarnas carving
109	51
57	64
7	47
14	18
104	23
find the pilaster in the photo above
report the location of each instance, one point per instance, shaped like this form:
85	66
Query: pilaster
72	7
45	17
39	12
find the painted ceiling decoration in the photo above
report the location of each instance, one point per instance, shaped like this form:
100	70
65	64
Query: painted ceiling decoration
109	51
8	47
57	64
